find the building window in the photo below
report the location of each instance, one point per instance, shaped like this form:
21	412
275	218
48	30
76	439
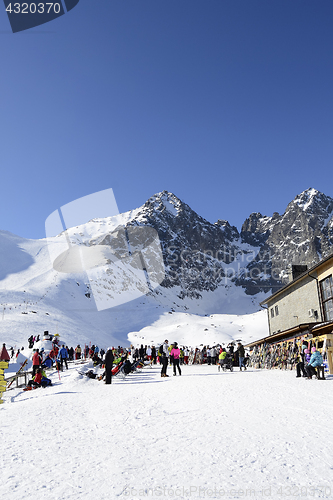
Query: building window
326	287
272	312
276	310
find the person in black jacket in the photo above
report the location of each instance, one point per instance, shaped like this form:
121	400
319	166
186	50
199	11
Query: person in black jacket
142	352
153	354
300	366
108	365
241	356
164	358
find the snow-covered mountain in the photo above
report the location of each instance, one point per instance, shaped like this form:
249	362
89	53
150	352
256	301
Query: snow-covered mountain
208	268
302	235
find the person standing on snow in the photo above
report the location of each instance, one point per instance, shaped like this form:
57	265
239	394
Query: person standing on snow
63	355
175	352
78	352
165	358
213	355
222	358
142	352
36	362
241	356
300	366
108	365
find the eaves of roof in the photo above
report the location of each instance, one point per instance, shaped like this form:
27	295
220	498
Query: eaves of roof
286	334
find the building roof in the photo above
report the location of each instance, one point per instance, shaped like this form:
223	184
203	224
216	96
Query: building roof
295	331
315	329
296	280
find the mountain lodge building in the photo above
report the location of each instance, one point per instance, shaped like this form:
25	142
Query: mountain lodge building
303	311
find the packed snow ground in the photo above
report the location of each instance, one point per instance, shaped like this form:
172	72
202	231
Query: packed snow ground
254	434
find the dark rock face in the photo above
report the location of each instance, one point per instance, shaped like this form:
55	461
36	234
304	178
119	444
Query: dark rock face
201	256
302	235
194	250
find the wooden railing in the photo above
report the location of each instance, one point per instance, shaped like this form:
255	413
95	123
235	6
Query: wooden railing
21	379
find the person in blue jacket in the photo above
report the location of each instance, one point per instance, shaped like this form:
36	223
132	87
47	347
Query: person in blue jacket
315	360
63	356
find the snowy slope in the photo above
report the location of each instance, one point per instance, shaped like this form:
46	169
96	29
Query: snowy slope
58	284
255	434
192	330
35	297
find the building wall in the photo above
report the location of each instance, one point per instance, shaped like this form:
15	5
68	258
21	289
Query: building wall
293	306
324	270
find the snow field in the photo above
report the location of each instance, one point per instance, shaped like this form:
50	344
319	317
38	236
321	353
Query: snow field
254	434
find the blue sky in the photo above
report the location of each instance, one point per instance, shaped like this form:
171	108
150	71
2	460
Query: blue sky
226	103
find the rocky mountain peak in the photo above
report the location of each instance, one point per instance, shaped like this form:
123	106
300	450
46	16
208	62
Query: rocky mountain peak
165	201
301	235
314	202
231	232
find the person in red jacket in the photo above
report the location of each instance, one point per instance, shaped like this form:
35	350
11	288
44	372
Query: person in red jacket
36	362
36	380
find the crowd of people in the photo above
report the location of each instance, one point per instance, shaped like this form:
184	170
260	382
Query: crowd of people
165	354
175	356
308	363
